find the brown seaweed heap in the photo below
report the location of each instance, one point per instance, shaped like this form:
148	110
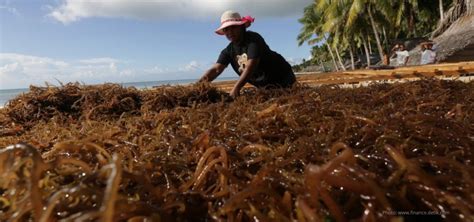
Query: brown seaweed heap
108	153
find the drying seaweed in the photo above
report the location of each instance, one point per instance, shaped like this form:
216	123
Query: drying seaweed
190	153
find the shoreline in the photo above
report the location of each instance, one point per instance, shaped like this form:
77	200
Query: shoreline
463	71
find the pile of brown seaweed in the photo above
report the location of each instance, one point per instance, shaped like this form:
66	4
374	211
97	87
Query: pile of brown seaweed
108	153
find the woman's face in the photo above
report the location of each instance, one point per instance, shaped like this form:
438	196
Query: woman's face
233	33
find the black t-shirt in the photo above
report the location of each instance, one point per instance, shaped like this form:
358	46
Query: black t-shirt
273	69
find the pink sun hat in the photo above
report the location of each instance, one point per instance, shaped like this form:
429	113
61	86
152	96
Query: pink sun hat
230	18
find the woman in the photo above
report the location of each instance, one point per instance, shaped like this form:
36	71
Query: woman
249	56
402	54
428	56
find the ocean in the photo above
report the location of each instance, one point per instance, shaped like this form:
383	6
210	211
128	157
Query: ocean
8	94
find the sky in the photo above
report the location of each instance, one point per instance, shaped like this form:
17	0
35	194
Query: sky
97	41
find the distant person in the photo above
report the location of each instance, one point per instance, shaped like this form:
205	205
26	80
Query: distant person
402	55
428	56
249	56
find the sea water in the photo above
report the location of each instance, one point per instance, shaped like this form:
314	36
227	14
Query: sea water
8	94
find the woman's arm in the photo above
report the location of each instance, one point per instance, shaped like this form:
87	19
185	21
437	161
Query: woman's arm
249	69
406	58
212	73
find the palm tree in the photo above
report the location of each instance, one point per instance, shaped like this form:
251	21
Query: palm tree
312	32
334	27
346	26
407	9
370	9
345	23
332	56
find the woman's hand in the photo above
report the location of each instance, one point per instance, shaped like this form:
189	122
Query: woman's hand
235	92
251	65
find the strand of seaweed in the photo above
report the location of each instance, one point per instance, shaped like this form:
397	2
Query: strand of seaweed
192	154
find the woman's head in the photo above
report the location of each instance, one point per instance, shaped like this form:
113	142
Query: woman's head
427	45
401	47
233	25
234	33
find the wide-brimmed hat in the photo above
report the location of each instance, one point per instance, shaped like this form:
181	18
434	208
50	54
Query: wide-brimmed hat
230	18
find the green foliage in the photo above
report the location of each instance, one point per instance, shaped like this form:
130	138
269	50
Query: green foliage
346	24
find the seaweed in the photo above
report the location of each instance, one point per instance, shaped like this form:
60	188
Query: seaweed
192	153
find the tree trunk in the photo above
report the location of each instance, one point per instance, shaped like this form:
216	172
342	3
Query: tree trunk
377	38
340	60
352	58
385	38
441	10
366	51
322	65
412	23
332	56
370	46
